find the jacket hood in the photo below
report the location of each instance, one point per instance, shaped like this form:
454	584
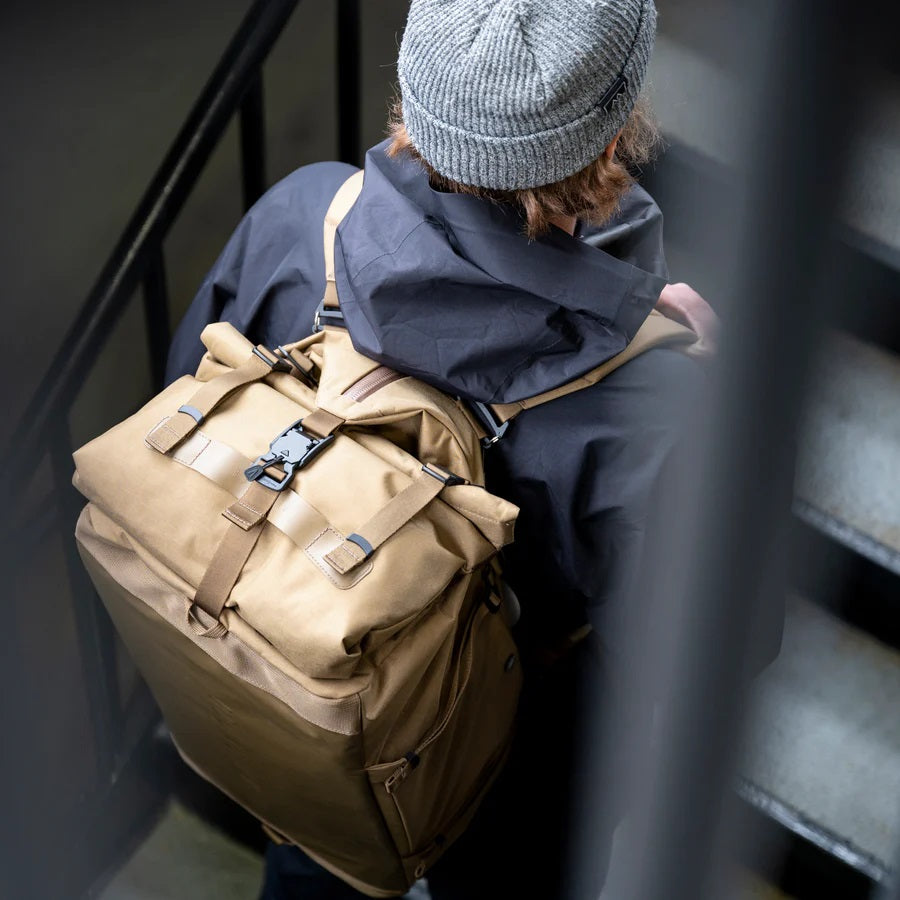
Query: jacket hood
447	287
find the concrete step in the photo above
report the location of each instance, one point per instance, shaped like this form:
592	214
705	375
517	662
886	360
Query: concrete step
822	751
695	97
847	481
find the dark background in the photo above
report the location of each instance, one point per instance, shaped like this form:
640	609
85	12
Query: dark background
93	95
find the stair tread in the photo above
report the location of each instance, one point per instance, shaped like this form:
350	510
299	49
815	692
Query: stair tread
824	734
848	469
695	98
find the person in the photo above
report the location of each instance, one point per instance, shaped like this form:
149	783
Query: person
501	246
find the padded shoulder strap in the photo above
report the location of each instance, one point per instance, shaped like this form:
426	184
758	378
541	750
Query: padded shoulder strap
340	206
657	331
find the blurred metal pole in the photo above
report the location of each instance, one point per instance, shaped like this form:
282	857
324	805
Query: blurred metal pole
890	890
253	141
159	207
347	60
157	314
719	572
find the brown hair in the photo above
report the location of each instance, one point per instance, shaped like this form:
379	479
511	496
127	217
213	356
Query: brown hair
591	195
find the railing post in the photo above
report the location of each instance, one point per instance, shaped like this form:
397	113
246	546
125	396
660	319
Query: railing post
156	314
694	618
96	638
159	206
347	55
253	142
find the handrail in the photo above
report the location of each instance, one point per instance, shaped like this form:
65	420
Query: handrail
137	260
234	81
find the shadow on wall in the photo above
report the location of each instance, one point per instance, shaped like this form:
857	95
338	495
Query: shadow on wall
96	94
99	92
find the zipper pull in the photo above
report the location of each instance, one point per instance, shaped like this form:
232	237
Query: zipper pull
398	776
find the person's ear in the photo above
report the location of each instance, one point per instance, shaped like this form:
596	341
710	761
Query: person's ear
610	151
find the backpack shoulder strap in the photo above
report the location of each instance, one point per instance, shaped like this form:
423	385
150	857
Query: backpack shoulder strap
657	331
340	206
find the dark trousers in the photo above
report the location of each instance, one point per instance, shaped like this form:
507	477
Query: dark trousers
520	842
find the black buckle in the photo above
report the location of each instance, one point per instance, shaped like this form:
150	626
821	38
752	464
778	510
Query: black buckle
495	430
326	316
293	449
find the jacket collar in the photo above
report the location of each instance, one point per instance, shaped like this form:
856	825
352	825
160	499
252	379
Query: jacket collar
448	287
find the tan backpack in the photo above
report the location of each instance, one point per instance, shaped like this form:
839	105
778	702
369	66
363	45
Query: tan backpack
297	548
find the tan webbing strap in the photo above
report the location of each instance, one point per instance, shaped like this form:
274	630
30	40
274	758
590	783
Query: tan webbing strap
173	430
656	331
340	206
411	500
248	517
321	423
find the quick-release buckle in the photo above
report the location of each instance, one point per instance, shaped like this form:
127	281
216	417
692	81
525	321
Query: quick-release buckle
495	430
325	316
293	449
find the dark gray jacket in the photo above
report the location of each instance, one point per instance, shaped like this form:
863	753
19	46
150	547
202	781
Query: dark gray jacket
446	287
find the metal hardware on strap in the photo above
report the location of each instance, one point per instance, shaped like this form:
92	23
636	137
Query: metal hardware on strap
495	430
327	316
385	523
172	430
306	376
292	449
278	364
448	479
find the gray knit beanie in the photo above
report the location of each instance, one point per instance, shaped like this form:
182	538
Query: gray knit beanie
510	94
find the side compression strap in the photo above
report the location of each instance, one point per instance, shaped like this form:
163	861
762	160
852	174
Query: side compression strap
247	516
411	500
174	429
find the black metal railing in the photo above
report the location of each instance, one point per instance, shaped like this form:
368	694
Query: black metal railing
38	505
672	861
235	87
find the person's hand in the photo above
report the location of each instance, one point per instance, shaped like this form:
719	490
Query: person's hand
683	304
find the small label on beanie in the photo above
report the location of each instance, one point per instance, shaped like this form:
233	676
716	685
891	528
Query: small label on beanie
619	86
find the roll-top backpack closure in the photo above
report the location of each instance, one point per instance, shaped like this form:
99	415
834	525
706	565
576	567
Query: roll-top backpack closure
428	485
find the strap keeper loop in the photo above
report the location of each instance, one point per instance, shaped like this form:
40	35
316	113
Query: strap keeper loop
193	412
362	543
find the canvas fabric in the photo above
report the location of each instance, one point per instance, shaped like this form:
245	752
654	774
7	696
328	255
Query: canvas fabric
297	547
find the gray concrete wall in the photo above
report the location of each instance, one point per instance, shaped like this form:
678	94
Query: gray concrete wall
95	93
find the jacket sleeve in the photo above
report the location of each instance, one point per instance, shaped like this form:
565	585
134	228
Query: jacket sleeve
630	522
213	302
583	470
